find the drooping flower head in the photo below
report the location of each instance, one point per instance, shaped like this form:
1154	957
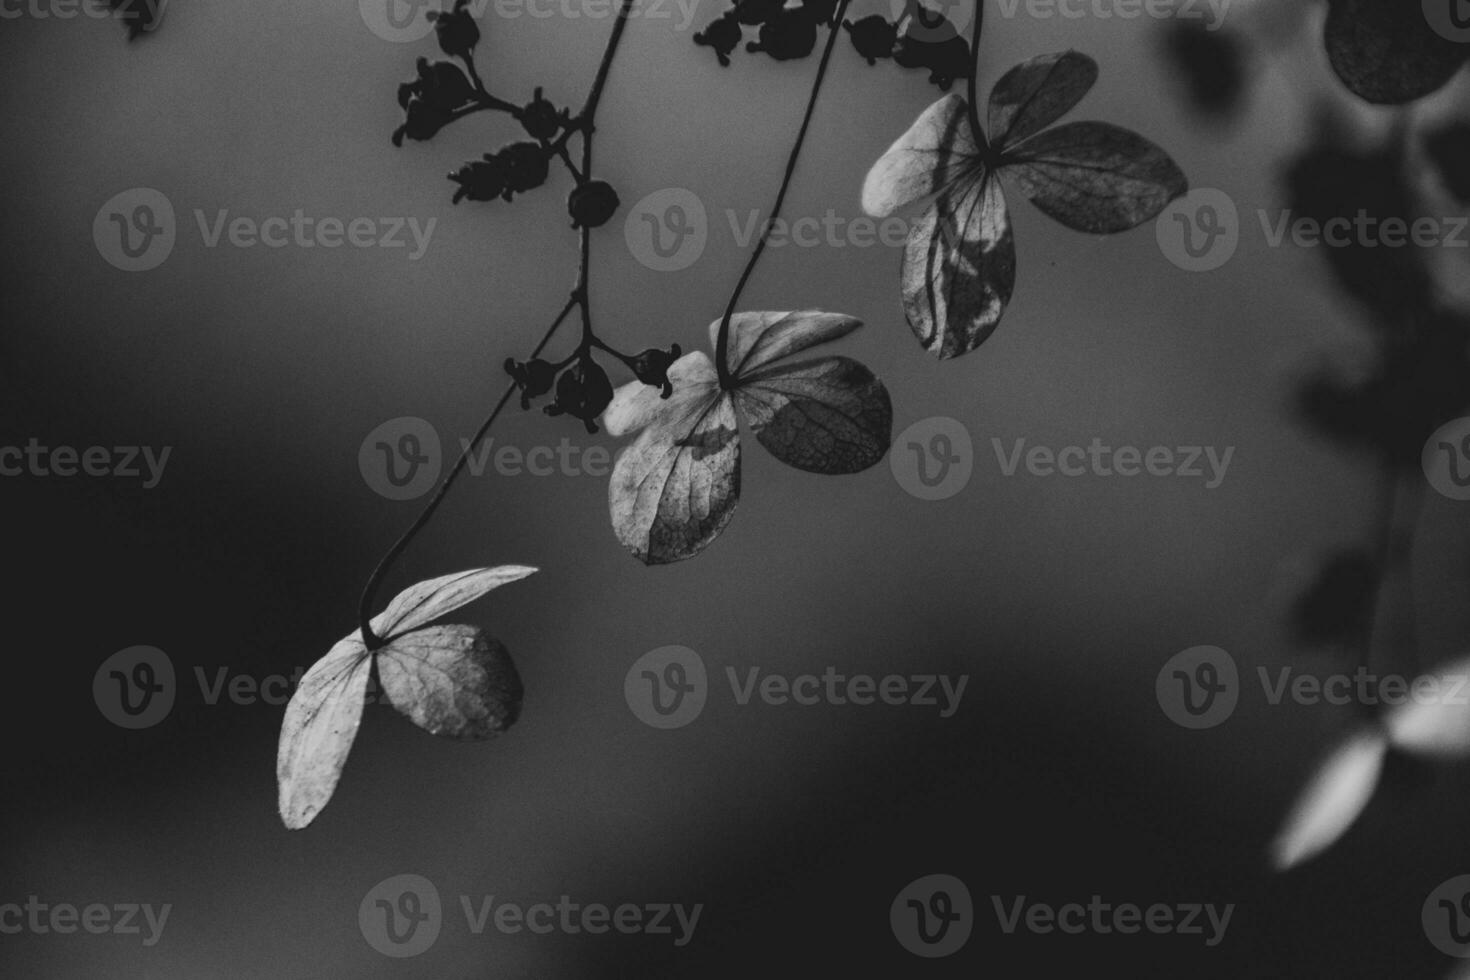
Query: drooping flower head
959	263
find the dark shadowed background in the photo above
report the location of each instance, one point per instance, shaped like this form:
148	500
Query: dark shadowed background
1059	777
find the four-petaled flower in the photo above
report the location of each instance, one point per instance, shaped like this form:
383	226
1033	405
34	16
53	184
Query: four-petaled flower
959	264
454	681
674	488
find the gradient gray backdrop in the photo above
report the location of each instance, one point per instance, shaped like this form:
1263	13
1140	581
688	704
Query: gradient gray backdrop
1058	779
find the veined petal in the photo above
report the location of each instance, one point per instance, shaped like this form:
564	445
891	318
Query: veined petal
318	729
635	405
829	415
453	681
675	488
1095	177
959	268
424	602
1036	93
759	339
937	150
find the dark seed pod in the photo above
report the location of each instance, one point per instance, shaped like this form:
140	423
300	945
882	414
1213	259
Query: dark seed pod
946	60
757	11
541	119
444	82
819	11
652	368
526	167
480	180
790	35
723	35
583	391
534	377
873	37
430	100
592	204
458	33
421	122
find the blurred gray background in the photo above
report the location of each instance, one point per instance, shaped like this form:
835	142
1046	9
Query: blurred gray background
1059	778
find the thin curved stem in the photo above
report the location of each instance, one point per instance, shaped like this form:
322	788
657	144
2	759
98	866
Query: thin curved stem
722	342
364	611
973	82
585	125
594	96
